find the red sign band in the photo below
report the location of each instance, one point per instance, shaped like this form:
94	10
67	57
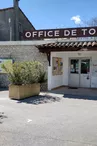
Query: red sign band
61	33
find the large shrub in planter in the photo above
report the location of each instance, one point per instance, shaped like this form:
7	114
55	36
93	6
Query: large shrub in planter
22	73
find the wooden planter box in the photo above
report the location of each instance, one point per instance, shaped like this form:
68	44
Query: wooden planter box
23	91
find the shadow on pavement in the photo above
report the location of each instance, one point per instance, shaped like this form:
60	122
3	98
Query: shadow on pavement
2	116
85	97
41	99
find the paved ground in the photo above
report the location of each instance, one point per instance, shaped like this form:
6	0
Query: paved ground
77	91
48	121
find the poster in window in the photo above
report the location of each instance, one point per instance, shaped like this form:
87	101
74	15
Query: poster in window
57	66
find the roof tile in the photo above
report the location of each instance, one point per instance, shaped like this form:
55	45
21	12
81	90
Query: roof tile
78	44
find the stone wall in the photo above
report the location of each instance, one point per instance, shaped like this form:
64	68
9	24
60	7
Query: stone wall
21	53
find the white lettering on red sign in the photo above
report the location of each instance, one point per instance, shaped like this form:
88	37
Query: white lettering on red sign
92	31
40	33
34	33
74	32
50	33
66	32
45	34
56	33
28	34
84	31
62	33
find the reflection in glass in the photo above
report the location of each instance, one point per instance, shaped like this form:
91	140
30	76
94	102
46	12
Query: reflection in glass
85	66
74	66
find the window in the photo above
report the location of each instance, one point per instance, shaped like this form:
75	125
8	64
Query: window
85	66
74	66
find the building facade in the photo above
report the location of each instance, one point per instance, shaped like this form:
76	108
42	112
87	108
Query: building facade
71	63
9	28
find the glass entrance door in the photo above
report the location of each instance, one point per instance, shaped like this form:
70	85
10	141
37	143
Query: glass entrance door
79	73
74	73
85	73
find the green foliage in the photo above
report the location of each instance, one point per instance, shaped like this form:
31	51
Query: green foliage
43	77
20	73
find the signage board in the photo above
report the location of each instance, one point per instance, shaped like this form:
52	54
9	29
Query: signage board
61	33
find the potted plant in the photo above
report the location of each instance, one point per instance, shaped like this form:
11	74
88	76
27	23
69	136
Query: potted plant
24	78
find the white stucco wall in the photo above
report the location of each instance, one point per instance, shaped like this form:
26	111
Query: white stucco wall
56	80
59	80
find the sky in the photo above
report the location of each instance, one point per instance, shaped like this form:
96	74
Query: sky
46	14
